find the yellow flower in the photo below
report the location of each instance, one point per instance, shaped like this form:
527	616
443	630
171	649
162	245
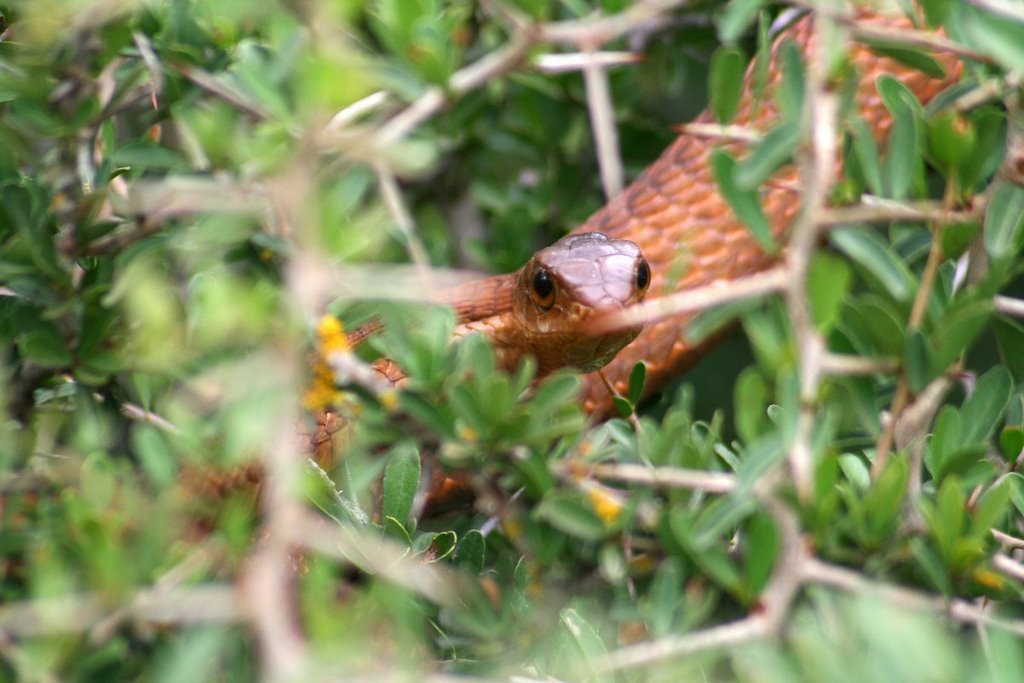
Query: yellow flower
606	503
331	334
388	399
988	578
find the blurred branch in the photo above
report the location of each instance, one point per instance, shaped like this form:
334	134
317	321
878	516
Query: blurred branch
1009	10
816	571
400	215
658	477
606	137
766	282
140	414
76	613
1010	306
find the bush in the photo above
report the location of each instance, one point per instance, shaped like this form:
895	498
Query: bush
195	193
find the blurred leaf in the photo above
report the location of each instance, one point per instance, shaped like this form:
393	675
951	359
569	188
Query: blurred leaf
1010	338
744	202
751	400
917	364
996	35
725	82
1004	221
983	409
586	638
470	552
737	17
915	59
828	281
637	379
871	253
401	481
569	513
770	154
902	164
1011	443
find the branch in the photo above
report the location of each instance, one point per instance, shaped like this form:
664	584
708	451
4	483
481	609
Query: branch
664	477
766	282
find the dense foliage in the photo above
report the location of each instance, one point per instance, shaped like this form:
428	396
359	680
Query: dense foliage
190	193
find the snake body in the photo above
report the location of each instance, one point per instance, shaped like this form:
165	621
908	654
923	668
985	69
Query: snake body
685	228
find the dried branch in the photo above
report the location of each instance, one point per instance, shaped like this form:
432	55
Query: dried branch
658	477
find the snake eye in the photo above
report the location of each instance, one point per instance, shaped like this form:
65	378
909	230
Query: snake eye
543	289
643	275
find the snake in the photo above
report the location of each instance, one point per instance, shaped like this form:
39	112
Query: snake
670	230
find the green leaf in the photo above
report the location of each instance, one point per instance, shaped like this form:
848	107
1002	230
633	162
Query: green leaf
1010	339
762	546
736	18
874	255
770	154
946	438
950	517
751	401
1011	443
902	165
935	11
623	406
956	331
637	380
441	546
44	346
725	81
569	513
588	642
931	565
990	508
745	203
994	34
790	93
917	363
951	139
883	501
828	281
1004	221
865	150
873	326
401	481
984	408
470	552
915	59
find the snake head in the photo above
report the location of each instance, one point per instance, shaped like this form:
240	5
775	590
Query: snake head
575	280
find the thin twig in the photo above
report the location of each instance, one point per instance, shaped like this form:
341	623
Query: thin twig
134	412
1010	306
392	197
720	132
658	477
816	571
885	211
766	282
1008	541
606	138
842	364
562	62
